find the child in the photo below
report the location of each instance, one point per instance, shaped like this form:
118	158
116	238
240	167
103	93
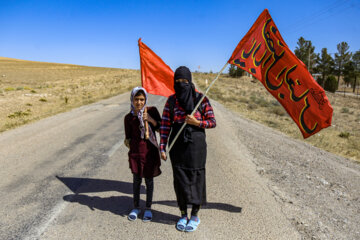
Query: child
144	158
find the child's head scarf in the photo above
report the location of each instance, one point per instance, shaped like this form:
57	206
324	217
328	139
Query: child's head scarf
140	114
133	94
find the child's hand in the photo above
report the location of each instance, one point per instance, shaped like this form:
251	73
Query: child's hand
147	117
163	156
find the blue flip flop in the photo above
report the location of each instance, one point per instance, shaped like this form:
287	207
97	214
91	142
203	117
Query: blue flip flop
181	224
193	224
147	215
134	214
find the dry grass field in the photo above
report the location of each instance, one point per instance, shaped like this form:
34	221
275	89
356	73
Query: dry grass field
249	98
33	90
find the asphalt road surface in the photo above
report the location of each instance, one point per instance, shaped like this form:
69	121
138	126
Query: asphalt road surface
68	177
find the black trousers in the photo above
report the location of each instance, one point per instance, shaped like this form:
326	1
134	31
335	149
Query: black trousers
136	190
183	209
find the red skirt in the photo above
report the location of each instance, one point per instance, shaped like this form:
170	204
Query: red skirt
145	162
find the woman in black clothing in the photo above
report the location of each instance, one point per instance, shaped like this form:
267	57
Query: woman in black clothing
188	155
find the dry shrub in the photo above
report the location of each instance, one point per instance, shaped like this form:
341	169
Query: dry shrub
278	110
344	135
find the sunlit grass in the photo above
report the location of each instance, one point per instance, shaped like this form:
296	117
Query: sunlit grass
34	90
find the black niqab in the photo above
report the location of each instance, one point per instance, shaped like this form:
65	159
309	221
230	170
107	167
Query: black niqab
185	92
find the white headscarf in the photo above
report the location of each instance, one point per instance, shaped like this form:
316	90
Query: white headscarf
140	115
141	112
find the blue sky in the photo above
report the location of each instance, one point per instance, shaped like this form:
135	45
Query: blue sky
192	33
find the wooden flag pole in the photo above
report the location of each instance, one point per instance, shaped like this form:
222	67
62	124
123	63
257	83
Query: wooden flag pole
146	126
197	105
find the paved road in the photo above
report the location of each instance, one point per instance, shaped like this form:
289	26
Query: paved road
67	177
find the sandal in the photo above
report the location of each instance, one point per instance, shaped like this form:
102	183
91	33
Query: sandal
193	224
181	224
147	215
134	214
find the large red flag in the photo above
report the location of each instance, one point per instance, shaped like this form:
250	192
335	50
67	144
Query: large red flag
156	77
264	54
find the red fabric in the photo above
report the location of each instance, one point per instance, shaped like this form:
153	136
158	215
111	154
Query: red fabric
264	54
156	77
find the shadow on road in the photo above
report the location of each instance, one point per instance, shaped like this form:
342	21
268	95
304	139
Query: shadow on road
119	205
209	205
89	185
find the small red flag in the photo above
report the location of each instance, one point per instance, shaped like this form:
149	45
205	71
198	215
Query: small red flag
264	54
156	77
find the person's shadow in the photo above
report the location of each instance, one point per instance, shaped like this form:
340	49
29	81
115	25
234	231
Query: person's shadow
91	185
121	205
209	205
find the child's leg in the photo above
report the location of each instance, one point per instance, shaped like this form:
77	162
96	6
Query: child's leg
195	209
136	190
149	191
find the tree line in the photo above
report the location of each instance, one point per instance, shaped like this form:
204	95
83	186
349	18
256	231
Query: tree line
326	69
344	64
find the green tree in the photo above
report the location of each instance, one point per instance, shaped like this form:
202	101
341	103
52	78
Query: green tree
235	71
305	51
231	70
349	72
325	65
356	61
331	83
341	58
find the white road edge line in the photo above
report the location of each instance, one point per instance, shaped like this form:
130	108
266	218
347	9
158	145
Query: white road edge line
55	211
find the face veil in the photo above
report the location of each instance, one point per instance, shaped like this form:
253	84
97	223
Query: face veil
185	92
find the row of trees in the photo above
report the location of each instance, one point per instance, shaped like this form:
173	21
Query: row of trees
344	64
235	71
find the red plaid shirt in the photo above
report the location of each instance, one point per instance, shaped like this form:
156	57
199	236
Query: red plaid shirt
207	119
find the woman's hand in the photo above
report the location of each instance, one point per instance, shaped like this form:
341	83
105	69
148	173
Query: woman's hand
147	117
190	119
163	156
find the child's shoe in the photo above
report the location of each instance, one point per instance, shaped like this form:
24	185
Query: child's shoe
147	215
193	224
134	214
181	224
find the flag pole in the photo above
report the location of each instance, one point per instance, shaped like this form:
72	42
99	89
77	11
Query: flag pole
197	105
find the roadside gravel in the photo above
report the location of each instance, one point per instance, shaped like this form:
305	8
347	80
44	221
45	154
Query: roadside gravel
319	191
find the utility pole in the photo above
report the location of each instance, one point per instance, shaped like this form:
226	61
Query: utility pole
309	58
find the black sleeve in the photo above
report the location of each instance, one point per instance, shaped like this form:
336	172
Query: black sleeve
154	113
127	127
